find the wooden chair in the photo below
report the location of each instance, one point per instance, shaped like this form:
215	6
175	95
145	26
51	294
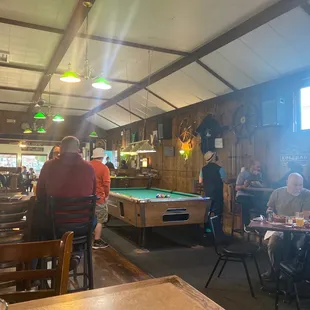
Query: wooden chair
233	252
15	221
25	253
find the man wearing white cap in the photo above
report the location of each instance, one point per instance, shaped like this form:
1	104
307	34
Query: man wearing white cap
212	176
102	191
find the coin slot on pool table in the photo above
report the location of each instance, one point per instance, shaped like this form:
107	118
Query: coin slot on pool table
175	215
121	209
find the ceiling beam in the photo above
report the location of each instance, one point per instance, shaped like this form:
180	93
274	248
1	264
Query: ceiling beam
26	90
125	109
93	37
108	120
212	72
161	98
41	69
53	106
59	107
79	15
261	18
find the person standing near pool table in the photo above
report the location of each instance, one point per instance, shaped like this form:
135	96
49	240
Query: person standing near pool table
212	176
102	191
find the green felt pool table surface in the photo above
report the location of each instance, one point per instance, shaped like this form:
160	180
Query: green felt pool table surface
150	193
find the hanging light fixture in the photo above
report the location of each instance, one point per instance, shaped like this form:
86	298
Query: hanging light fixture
101	83
28	130
41	130
58	118
93	134
70	76
73	77
146	147
39	115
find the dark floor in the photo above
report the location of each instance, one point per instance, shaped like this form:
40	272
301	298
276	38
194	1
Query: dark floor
179	256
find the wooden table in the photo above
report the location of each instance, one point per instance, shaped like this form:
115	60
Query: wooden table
169	293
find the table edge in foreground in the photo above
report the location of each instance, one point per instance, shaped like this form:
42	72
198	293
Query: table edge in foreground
202	299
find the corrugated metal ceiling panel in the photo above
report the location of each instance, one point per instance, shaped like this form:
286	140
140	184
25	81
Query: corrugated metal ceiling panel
118	115
114	61
189	85
101	122
71	102
12	107
54	13
19	78
177	24
27	46
15	96
139	104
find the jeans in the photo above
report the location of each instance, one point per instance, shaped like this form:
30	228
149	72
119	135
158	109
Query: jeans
276	248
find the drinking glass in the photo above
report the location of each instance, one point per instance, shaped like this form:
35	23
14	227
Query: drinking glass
300	221
289	220
3	305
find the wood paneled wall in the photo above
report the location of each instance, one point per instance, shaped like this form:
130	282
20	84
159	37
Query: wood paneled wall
266	144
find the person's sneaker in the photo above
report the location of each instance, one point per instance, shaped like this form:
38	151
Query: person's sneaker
99	244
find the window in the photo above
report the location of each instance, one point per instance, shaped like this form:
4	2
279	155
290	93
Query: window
34	161
305	108
8	160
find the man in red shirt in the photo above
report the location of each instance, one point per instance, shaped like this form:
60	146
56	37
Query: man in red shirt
102	190
65	177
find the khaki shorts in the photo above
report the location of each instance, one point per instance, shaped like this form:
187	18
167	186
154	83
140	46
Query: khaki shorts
102	213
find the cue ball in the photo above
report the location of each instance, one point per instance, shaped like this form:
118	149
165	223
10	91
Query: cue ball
167	196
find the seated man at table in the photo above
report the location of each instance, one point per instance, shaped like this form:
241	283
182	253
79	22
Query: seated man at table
65	177
251	177
285	201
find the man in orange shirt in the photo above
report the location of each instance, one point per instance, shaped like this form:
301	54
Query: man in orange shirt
102	191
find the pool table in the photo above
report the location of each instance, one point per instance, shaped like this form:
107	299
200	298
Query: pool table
140	208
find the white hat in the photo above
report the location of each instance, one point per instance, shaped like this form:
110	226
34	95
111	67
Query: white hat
98	153
208	156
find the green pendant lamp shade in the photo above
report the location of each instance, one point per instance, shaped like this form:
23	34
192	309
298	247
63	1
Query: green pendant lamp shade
41	130
28	130
39	115
58	118
93	134
70	77
101	83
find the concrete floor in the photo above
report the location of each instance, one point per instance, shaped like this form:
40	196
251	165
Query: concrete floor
194	264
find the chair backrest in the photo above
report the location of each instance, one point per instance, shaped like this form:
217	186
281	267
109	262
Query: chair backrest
217	231
24	253
15	220
73	214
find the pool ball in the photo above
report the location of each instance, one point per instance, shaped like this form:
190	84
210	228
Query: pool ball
158	196
167	196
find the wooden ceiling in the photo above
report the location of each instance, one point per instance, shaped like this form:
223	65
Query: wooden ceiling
158	55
